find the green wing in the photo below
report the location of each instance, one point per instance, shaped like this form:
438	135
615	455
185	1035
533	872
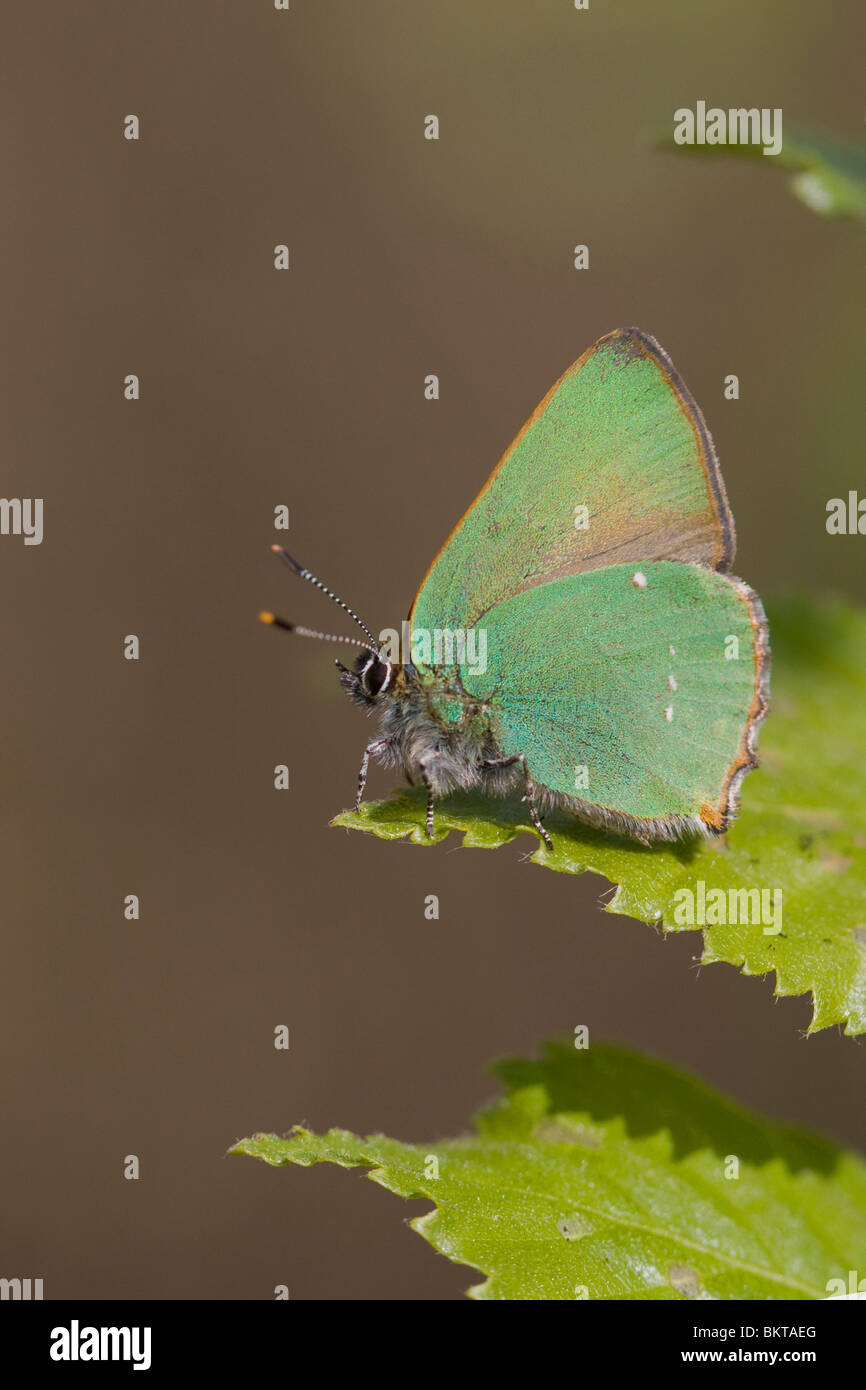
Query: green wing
618	435
635	692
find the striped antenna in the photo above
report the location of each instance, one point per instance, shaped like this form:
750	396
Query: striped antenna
311	579
273	621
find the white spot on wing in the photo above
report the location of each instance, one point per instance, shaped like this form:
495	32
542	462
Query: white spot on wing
638	580
669	713
672	682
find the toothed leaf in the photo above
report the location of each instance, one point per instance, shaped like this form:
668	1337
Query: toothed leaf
605	1175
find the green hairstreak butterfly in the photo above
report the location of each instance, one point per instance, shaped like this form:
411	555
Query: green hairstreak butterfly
580	636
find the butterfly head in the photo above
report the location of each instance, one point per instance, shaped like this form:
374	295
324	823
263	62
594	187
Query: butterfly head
368	679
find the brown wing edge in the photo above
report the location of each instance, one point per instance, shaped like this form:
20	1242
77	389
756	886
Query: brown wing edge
710	819
719	817
689	407
706	448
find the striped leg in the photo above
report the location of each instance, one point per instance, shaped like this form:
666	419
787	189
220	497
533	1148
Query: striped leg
375	749
528	791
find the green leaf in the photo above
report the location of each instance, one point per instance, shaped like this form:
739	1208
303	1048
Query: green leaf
802	828
602	1174
830	173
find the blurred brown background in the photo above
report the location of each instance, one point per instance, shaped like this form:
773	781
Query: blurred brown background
306	388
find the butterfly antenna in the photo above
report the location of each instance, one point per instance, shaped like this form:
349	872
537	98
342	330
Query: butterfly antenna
273	621
311	578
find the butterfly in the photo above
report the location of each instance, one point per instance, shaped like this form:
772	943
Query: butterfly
579	637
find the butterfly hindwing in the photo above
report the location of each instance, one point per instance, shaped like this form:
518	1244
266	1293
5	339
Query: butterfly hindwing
635	692
615	465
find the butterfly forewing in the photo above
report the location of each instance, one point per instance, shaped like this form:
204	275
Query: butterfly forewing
615	465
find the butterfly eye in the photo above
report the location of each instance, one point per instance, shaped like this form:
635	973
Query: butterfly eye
375	676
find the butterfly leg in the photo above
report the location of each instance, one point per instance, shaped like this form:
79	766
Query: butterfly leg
373	748
528	791
429	809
